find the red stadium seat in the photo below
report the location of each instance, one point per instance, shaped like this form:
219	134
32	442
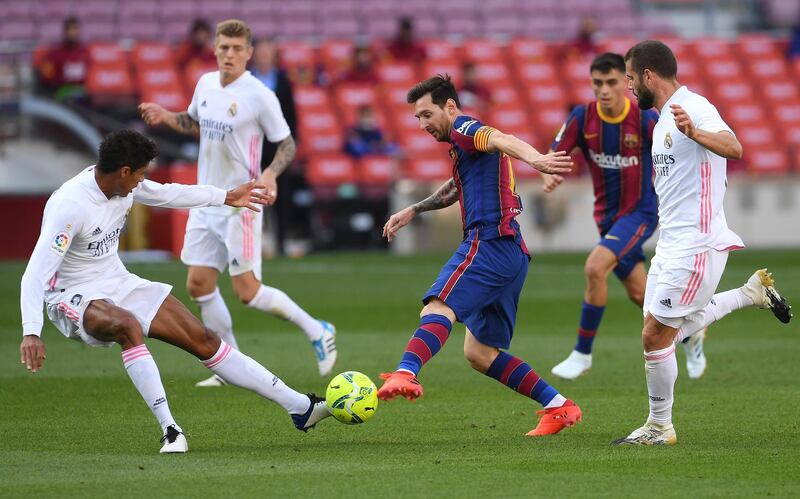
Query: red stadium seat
152	53
734	91
376	170
493	73
311	98
534	72
509	118
505	95
398	73
193	72
550	94
483	50
528	50
744	114
355	95
786	113
618	44
416	142
549	120
337	55
320	131
294	54
752	46
576	71
722	68
434	67
769	161
394	94
780	90
109	54
330	170
756	136
712	48
109	81
429	169
441	50
768	67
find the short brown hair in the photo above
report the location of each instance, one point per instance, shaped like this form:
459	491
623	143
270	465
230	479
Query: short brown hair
655	56
440	87
235	28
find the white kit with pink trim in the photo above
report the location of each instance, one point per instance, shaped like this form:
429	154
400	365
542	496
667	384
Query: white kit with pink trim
234	120
75	259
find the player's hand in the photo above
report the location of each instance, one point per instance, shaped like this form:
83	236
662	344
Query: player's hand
247	196
398	221
682	120
270	183
31	352
550	182
152	113
553	162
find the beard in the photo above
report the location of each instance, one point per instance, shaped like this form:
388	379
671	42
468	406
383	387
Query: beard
645	98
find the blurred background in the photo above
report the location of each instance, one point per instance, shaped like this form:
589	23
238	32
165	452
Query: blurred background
72	71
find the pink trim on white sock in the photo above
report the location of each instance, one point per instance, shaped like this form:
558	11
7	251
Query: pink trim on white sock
661	355
135	353
222	354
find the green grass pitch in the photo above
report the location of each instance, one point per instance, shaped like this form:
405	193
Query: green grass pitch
79	429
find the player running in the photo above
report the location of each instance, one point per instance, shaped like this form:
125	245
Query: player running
91	297
691	145
480	285
616	144
233	111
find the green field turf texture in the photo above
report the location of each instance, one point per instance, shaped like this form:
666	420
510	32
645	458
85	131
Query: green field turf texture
79	428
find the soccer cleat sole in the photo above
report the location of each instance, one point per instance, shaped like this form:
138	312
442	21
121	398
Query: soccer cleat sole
780	309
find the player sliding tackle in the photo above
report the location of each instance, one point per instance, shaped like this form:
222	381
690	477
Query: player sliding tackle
690	145
480	285
91	297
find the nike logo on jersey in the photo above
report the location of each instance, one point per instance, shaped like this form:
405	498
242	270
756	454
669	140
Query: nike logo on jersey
613	238
666	302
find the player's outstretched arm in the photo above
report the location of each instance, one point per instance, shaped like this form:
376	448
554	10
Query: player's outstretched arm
723	143
552	162
284	155
247	195
155	115
444	196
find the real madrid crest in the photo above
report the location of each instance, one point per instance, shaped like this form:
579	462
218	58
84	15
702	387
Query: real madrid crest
232	110
631	140
668	140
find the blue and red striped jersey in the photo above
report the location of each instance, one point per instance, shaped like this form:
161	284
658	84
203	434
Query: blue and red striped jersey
485	183
618	153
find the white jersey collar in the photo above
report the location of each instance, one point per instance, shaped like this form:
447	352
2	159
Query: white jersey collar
682	91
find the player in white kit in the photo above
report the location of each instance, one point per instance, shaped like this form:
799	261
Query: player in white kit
91	297
690	145
233	111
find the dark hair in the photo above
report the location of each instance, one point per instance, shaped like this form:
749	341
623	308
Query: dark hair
200	25
125	148
71	21
607	62
440	87
655	56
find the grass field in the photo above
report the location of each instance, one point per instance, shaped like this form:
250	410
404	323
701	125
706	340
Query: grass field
79	428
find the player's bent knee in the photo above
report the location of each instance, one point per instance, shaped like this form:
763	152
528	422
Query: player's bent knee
205	343
436	306
480	358
125	329
198	287
594	272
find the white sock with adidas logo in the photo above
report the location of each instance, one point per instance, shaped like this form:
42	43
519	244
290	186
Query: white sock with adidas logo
661	368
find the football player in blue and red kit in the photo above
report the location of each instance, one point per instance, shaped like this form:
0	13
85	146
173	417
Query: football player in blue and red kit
614	138
480	285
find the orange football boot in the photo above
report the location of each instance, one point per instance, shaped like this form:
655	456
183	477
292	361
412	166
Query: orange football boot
399	383
556	419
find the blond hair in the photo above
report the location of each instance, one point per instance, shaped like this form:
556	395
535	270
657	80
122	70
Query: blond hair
234	28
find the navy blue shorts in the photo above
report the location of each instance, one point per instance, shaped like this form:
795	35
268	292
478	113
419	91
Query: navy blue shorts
625	239
481	283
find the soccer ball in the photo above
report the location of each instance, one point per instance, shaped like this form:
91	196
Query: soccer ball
352	397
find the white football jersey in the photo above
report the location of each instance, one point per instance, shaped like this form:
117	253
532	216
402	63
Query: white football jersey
690	182
80	233
233	122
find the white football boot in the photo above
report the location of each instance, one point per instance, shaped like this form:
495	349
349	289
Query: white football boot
761	289
695	358
650	434
213	381
325	348
576	364
174	441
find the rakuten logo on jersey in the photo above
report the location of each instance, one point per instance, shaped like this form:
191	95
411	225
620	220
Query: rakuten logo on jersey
616	162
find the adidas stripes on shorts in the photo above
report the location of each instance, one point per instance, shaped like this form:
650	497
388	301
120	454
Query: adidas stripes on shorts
679	287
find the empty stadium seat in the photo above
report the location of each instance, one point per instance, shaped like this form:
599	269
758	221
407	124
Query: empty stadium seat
493	73
428	169
398	73
767	161
528	50
330	170
109	81
336	55
153	54
311	98
482	50
534	72
376	170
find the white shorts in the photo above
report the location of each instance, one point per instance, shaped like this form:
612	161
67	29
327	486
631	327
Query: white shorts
218	241
138	296
677	288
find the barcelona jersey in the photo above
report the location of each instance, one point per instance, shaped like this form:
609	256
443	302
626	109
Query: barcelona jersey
618	153
485	183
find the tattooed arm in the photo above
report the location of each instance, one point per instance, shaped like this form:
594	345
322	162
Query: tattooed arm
444	196
284	155
154	115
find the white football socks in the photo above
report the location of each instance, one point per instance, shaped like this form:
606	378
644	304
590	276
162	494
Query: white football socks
661	368
217	317
276	302
721	304
240	370
143	372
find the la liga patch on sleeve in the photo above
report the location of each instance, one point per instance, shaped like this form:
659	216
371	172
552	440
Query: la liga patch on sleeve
60	243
